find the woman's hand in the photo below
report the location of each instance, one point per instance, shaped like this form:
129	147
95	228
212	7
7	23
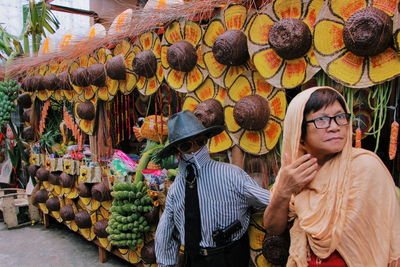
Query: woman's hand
296	175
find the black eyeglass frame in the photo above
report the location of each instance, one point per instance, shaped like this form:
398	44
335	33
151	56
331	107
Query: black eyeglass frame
347	116
199	141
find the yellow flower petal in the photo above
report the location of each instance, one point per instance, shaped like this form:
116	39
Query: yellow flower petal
214	29
221	94
131	81
58	95
141	81
146	40
312	11
277	105
294	72
261	261
328	37
129	60
88	92
267	62
287	8
384	66
388	6
164	52
173	33
69	94
259	29
160	72
200	58
215	68
157	48
230	122
190	103
192	33
176	78
151	86
347	68
102	93
272	132
250	141
256	234
345	8
220	142
102	55
206	90
194	79
112	86
263	88
235	17
133	257
240	88
311	58
232	73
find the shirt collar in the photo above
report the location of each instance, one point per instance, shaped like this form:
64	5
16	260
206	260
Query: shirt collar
199	158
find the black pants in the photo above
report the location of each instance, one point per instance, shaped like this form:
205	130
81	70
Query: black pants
237	255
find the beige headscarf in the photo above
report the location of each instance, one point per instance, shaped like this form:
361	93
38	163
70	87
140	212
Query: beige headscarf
350	206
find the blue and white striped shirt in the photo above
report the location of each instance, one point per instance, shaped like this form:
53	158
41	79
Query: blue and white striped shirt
225	194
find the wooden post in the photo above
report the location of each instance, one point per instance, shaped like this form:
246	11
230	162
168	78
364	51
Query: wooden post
102	254
46	222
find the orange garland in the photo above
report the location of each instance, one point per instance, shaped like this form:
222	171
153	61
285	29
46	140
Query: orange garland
69	122
45	110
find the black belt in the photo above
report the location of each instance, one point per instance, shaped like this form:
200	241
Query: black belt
217	250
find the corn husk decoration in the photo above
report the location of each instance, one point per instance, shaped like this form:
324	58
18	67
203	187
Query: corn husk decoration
154	128
225	45
206	102
181	56
254	113
147	63
85	115
353	40
280	42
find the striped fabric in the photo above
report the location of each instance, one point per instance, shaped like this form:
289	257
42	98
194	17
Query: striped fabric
225	193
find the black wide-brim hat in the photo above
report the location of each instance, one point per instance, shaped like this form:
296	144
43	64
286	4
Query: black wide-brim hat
183	126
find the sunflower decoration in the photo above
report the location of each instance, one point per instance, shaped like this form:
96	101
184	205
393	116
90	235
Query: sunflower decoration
225	46
120	67
100	231
85	221
85	115
53	205
67	212
254	112
107	88
69	185
396	29
206	102
147	63
353	42
85	197
181	56
256	237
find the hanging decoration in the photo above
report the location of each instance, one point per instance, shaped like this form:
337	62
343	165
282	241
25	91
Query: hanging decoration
353	42
280	42
85	115
181	56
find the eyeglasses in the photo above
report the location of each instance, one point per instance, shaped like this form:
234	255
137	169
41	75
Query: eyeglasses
188	145
325	121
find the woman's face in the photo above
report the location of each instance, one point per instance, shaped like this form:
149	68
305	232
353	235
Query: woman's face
323	143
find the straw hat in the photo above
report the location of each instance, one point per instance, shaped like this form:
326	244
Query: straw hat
280	42
206	102
181	56
254	112
225	45
353	42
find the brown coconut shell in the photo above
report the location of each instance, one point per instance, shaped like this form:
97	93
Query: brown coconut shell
41	196
84	190
63	81
83	220
153	215
53	204
182	56
80	77
26	84
27	115
101	192
28	134
148	253
50	82
66	180
230	48
252	112
97	75
100	228
276	248
210	112
67	213
86	110
42	174
36	83
32	170
115	68
54	178
24	100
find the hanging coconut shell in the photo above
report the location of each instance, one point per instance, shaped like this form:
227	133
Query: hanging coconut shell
32	170
54	178
27	115
86	110
50	82
97	75
148	253
276	248
24	100
66	180
210	112
36	83
252	112
26	84
100	228
63	81
41	196
67	213
116	68
101	192
84	190
42	174
53	204
83	220
28	134
80	77
153	215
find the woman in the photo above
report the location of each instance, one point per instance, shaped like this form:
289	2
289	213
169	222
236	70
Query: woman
340	200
